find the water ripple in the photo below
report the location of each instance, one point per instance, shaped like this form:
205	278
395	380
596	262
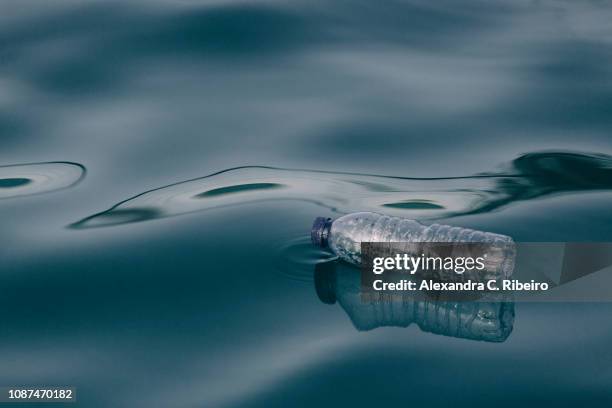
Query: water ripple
36	178
339	192
527	177
296	258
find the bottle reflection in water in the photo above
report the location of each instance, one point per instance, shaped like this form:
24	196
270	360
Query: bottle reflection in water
491	318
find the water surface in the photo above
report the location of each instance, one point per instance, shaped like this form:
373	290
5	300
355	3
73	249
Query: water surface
161	164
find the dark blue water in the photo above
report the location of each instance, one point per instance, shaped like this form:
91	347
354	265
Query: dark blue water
162	162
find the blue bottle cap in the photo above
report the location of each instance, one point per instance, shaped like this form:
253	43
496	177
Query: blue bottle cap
320	231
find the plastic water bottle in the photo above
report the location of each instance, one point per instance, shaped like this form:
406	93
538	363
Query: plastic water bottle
344	236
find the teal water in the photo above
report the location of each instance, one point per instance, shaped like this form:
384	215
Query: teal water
161	164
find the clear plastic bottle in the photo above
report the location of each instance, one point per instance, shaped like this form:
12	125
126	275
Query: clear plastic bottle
344	236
